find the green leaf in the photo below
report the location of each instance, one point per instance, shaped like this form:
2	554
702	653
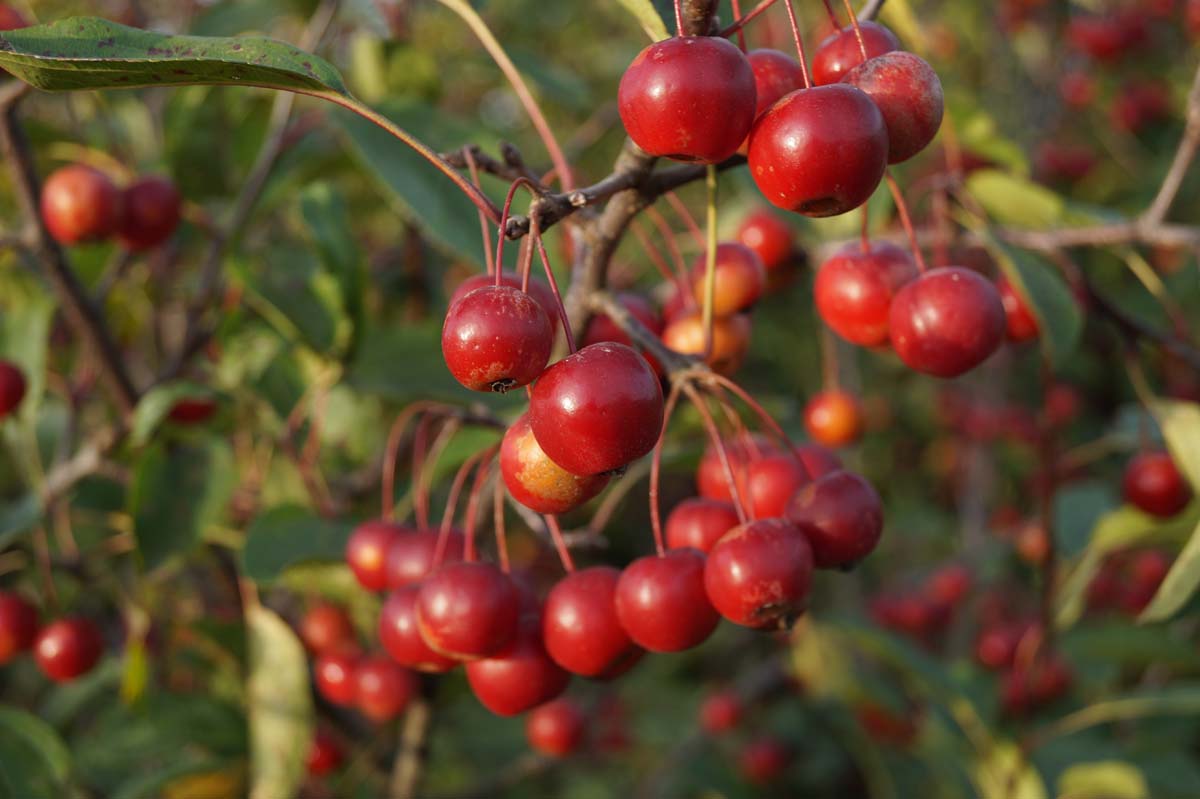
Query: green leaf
1180	423
150	785
177	492
34	761
1176	700
18	517
279	706
156	403
1005	774
1109	779
1178	586
419	191
1059	319
288	535
648	17
24	339
1013	200
324	212
92	53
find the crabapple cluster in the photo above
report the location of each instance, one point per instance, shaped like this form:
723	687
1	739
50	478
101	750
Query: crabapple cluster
64	649
80	204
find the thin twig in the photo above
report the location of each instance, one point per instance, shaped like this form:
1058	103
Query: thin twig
1185	154
413	749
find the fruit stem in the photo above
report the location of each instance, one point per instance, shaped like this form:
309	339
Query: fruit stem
656	257
508	200
427	462
766	419
469	157
905	219
656	468
420	496
560	543
476	495
498	525
684	214
837	26
678	17
710	259
668	237
482	458
829	360
799	43
741	23
865	231
737	14
714	436
862	45
536	233
387	479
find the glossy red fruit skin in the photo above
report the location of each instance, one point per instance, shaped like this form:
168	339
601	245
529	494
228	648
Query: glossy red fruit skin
740	278
854	290
842	517
763	760
326	627
68	648
537	482
775	74
151	209
688	98
720	712
770	483
602	328
400	636
597	410
946	322
11	19
410	555
759	574
820	151
334	675
730	340
833	418
839	53
324	754
1020	323
519	677
192	410
556	728
699	523
18	625
80	204
741	451
367	550
580	625
468	610
661	601
909	96
382	689
538	289
12	387
1153	484
771	238
496	339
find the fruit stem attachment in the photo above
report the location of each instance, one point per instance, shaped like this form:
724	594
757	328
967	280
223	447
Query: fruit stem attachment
799	43
862	45
737	15
905	220
741	23
560	543
535	233
508	200
714	436
656	468
710	259
469	157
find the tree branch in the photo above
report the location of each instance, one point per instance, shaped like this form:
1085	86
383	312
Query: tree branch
84	317
413	749
1185	154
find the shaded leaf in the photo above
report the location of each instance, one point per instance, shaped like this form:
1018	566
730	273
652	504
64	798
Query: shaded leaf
1178	586
176	493
279	706
1180	423
155	404
93	53
34	761
324	212
19	516
1060	321
288	535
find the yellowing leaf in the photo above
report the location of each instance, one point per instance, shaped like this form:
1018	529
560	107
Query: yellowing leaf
279	706
1005	774
1109	779
1014	200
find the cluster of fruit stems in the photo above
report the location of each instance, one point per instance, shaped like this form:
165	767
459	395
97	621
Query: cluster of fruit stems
92	328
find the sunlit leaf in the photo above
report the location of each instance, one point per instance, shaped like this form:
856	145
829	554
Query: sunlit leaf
279	706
